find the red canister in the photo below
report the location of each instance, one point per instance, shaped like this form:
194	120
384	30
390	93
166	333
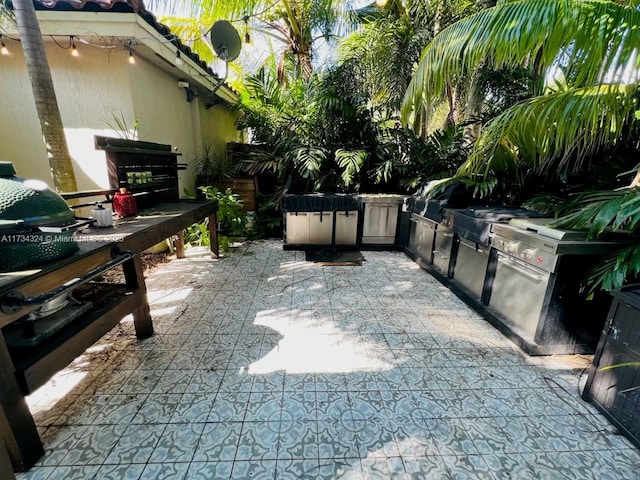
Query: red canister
124	204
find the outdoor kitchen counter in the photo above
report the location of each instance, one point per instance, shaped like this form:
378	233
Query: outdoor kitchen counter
21	374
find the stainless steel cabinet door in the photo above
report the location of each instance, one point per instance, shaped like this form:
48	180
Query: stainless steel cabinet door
442	249
380	223
346	227
320	228
297	228
518	293
471	267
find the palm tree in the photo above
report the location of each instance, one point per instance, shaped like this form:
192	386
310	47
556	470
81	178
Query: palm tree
583	58
296	24
590	42
46	105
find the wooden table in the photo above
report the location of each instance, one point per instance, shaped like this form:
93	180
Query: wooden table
21	374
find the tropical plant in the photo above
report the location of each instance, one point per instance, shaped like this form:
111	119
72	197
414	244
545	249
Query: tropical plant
295	24
581	56
210	166
230	214
588	43
119	125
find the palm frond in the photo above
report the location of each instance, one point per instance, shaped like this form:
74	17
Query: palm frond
591	38
612	271
559	129
351	163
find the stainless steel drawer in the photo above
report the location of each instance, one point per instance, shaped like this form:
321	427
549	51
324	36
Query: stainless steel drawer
443	246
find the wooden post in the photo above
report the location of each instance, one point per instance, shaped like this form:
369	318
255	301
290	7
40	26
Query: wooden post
179	244
213	236
134	276
6	470
18	432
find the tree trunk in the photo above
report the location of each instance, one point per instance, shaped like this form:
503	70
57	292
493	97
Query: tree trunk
474	108
64	178
304	61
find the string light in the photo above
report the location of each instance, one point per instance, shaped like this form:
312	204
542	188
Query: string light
74	50
132	59
247	37
3	48
179	62
381	3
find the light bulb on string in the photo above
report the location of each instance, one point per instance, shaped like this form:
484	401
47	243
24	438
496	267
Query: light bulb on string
381	3
74	50
3	48
178	61
132	59
247	37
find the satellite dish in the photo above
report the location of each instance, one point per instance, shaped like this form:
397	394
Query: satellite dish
225	40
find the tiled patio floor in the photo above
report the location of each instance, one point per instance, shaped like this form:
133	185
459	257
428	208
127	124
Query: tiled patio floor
265	366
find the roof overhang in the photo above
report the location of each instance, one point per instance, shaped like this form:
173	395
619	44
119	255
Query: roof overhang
115	29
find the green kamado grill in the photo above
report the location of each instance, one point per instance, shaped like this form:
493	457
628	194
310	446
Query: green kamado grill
36	224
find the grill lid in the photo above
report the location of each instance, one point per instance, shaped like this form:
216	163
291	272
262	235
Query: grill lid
540	226
475	223
30	203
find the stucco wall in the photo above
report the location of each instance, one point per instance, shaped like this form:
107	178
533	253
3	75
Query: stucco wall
92	89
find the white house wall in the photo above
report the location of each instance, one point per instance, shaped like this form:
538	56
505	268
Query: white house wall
92	90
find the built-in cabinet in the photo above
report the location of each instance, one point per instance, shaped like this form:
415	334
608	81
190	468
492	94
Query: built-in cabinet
326	220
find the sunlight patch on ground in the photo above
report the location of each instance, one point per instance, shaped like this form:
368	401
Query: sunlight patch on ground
312	343
168	296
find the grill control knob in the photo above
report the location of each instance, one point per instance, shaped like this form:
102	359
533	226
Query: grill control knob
528	253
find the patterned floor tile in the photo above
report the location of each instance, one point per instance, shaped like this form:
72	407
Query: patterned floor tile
157	408
258	441
254	469
298	440
218	442
337	440
340	469
165	471
177	443
300	405
120	472
288	469
93	445
135	445
429	389
74	472
264	407
471	467
229	407
209	471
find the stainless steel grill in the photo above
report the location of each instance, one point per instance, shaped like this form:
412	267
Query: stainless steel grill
535	290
